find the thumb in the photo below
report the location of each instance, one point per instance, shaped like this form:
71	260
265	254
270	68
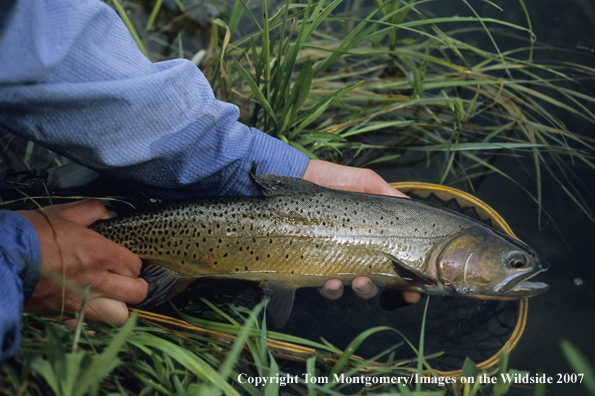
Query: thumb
84	212
107	311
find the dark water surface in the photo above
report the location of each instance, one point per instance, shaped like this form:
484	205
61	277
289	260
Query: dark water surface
567	310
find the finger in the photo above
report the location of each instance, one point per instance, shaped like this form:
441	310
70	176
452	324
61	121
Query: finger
84	212
411	297
332	289
347	178
387	189
107	311
364	288
108	255
121	288
70	322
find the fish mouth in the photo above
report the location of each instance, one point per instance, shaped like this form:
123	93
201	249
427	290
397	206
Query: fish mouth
518	284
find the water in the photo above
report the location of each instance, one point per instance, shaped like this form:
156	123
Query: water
567	311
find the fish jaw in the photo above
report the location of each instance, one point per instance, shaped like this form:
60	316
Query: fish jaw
482	265
518	285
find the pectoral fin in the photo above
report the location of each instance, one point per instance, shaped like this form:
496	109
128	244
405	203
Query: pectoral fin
412	275
280	297
164	284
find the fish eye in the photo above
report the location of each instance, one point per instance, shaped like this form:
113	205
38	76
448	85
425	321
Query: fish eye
517	263
517	260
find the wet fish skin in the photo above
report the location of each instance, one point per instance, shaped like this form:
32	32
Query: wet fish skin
300	234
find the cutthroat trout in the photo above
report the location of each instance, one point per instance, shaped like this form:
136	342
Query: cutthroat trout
300	235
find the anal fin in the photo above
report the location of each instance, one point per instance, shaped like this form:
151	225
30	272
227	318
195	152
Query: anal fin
164	284
412	275
280	297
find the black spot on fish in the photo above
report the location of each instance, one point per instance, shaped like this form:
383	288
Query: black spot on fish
287	256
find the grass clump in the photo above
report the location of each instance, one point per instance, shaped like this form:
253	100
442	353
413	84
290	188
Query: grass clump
395	83
142	359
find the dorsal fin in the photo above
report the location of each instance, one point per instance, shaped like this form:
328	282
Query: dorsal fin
271	185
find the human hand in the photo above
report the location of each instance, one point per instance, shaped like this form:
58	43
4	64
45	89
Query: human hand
347	178
83	256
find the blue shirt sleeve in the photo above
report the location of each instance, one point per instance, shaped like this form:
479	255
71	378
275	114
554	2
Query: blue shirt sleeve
20	261
73	80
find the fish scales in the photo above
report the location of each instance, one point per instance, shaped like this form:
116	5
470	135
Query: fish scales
300	234
319	236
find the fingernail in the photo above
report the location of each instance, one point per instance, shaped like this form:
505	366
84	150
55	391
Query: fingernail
109	215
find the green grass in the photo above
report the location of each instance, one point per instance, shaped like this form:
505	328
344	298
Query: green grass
324	83
140	359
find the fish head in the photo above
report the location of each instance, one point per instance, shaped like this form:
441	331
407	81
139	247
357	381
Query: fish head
487	264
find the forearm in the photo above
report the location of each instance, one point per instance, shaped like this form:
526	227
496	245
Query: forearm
20	261
81	87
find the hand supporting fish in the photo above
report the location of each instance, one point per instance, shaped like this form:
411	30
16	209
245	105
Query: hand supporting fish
300	234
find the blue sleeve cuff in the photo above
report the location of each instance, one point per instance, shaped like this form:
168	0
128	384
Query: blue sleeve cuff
20	264
271	155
